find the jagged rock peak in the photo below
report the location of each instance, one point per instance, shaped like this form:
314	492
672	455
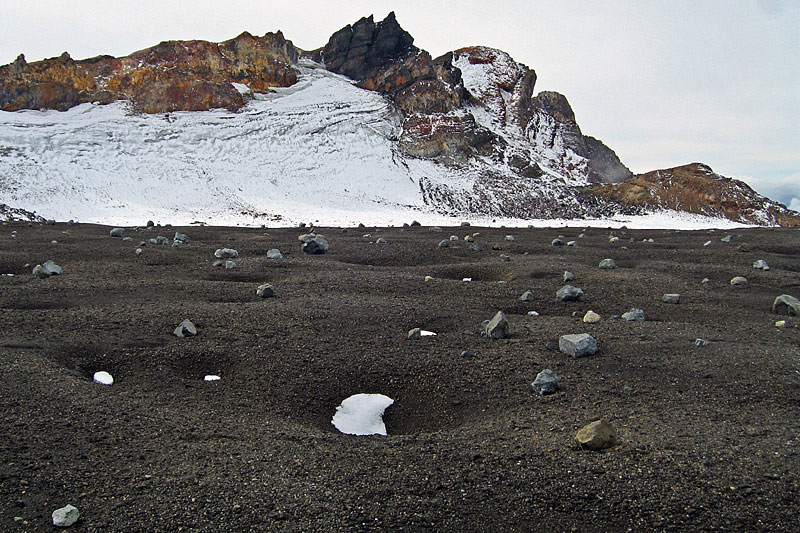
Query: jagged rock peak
696	188
361	50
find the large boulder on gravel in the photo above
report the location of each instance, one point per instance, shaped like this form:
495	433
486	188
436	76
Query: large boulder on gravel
568	293
316	245
180	239
225	253
634	315
596	436
265	291
185	329
577	345
786	305
607	264
274	253
65	516
117	232
546	382
497	327
739	281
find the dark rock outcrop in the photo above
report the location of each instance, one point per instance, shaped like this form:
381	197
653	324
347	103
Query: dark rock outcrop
695	188
171	76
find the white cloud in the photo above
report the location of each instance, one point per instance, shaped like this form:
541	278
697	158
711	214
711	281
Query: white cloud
794	205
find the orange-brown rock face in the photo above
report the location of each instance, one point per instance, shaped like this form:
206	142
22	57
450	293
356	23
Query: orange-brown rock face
695	188
171	76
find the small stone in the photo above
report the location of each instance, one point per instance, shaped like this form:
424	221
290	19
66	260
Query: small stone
533	313
568	276
504	258
453	238
497	327
577	345
509	237
218	263
160	240
607	264
568	293
415	333
557	242
707	243
671	298
572	243
265	291
103	378
727	238
225	253
613	239
51	268
211	377
150	223
786	305
180	239
415	223
591	317
780	323
466	354
185	329
444	243
117	232
380	240
274	253
701	342
434	229
527	296
464	224
739	281
597	435
65	516
634	315
761	265
56	242
466	279
705	281
138	251
230	265
40	272
126	239
546	382
476	234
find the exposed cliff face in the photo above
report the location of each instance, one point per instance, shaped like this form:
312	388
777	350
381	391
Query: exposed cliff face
695	188
171	76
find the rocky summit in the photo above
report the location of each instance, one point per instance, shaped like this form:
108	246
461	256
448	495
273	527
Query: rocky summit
368	121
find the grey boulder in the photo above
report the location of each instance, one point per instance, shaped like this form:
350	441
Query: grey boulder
274	253
739	281
568	293
315	246
225	253
497	327
66	516
786	305
671	298
527	296
265	291
185	329
634	315
117	232
761	265
607	264
546	382
577	345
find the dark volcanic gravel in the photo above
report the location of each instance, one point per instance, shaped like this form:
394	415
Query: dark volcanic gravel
709	436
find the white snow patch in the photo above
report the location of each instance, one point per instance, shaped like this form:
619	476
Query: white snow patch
242	88
212	377
362	414
424	333
103	378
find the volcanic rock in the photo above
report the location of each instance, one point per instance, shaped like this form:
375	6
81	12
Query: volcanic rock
596	435
577	345
739	281
497	327
634	315
185	329
568	293
786	305
265	291
591	317
761	265
225	253
65	516
607	264
671	298
117	232
546	382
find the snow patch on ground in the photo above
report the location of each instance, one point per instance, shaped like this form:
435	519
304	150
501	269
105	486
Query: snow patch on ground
362	414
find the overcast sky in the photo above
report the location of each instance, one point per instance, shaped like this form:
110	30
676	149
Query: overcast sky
663	83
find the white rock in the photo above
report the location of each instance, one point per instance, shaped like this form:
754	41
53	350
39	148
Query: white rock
212	377
103	378
66	516
467	279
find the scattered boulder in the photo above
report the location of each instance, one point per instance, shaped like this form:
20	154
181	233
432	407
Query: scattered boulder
453	238
230	265
415	223
218	263
434	229
707	244
265	291
510	237
607	264
468	238
48	268
705	281
761	265
160	240
546	382
465	224
211	377
634	315
180	239
613	239
103	378
786	305
527	296
39	272
225	253
497	327
50	222
701	342
66	516
117	232
727	238
597	435
150	223
274	253
568	276
671	298
739	281
568	293
185	329
138	251
429	278
533	313
380	240
475	247
124	239
591	317
444	243
572	243
577	345
557	242
504	258
415	333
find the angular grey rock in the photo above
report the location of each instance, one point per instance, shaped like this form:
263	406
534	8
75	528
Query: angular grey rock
739	281
497	327
634	315
185	329
453	237
510	237
117	232
607	264
51	268
316	246
465	224
274	253
218	263
577	345
380	240
124	239
161	240
66	516
568	276
701	342
504	258
50	222
568	293
138	251
230	265
671	298
705	281
444	243
557	242
475	247
415	333
265	291
761	265
225	253
546	382
727	238
786	305
40	272
572	243
468	238
527	296
180	239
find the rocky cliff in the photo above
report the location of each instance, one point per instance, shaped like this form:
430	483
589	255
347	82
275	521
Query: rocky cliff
695	188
